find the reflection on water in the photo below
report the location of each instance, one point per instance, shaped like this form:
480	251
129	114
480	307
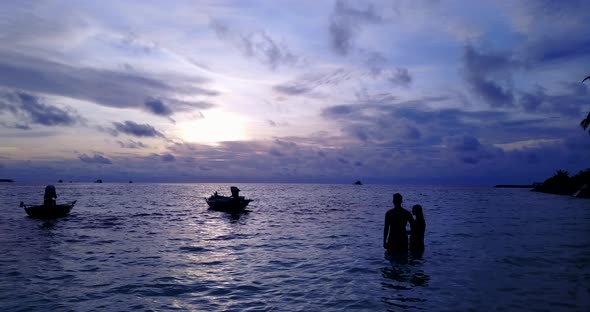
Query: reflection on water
401	277
235	218
48	224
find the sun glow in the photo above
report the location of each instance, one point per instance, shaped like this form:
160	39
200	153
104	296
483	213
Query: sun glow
217	126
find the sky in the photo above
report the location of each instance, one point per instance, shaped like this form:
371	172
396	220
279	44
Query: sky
420	92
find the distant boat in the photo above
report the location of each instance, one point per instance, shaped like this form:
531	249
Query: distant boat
42	212
234	203
60	181
98	181
358	183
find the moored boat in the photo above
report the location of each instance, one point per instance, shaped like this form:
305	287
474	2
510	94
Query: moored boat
42	212
234	203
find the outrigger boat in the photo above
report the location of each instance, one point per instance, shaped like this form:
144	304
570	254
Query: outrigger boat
234	203
43	212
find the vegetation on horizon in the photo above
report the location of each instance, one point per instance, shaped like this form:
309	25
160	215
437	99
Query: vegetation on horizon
561	183
586	121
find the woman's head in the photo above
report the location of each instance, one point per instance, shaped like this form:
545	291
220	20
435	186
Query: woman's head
417	211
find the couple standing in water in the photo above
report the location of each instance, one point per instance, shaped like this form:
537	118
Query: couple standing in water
395	237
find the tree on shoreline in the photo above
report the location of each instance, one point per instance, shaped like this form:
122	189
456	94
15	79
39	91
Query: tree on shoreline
563	184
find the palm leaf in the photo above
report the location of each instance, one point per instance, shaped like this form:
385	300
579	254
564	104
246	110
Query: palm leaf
585	122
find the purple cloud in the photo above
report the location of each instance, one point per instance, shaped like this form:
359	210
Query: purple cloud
138	130
96	159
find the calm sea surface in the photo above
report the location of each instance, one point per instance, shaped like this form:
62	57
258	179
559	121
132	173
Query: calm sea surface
144	247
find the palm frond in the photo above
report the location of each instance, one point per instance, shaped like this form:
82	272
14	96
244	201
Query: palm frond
585	122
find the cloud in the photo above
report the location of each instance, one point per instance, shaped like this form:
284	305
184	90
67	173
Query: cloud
338	111
119	89
527	144
560	49
258	45
26	25
531	101
138	130
276	124
465	143
400	77
134	40
275	158
569	101
293	88
488	75
341	34
30	109
305	84
157	106
413	132
275	152
547	43
96	159
469	160
15	125
168	158
131	144
375	62
325	158
468	149
391	135
345	23
420	124
377	65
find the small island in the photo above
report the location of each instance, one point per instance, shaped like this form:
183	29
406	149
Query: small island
7	180
358	182
562	184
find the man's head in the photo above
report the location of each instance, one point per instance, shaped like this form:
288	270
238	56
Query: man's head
397	199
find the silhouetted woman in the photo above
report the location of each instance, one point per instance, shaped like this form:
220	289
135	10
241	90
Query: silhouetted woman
417	230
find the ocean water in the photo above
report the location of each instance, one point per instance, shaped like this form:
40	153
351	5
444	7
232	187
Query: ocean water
156	247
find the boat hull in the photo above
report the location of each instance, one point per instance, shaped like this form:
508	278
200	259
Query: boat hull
42	212
227	204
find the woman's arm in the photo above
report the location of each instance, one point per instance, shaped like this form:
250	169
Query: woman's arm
385	230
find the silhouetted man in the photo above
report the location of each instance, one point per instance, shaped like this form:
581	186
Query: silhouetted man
50	196
395	237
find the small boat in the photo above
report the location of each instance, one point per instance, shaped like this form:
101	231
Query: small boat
234	203
42	212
